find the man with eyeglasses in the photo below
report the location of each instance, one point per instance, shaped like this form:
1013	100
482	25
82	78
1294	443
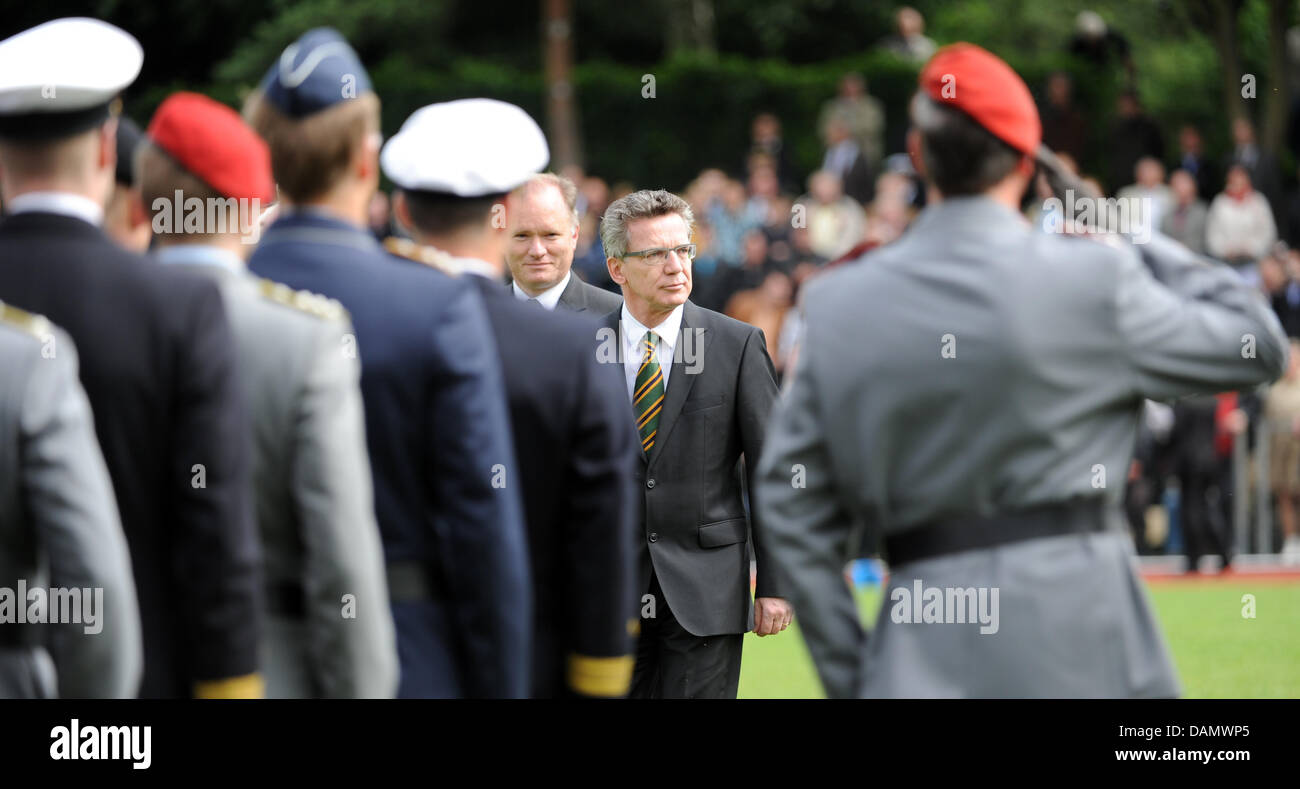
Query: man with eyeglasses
702	386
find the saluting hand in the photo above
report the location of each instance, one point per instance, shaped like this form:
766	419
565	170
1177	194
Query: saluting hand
771	615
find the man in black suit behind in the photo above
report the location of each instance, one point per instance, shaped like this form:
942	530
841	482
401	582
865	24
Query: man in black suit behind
157	363
542	233
573	436
701	386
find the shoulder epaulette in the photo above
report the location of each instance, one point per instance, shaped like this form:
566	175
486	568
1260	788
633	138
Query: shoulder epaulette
36	325
435	258
302	300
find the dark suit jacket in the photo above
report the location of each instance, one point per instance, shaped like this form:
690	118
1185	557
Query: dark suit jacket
860	182
158	364
438	435
695	533
1288	314
576	447
579	296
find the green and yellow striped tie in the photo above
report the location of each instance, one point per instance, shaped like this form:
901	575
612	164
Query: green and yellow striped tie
648	393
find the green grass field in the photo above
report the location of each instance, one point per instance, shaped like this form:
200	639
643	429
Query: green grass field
1219	654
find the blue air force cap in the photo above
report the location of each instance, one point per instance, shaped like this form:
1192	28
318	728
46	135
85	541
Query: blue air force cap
314	73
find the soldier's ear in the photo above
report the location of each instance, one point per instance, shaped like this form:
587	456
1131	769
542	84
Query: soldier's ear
366	163
914	151
402	210
106	139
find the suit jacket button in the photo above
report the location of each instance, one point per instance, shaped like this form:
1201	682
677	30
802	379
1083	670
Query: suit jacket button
654	535
650	483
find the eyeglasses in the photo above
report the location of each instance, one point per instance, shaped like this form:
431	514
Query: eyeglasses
659	256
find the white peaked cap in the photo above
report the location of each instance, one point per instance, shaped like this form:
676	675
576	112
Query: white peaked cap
66	65
468	148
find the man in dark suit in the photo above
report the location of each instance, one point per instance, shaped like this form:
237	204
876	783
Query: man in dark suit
573	434
1202	448
1192	158
435	414
1265	173
845	159
702	386
542	228
157	361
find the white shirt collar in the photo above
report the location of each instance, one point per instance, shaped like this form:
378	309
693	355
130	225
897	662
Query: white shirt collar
200	255
548	298
634	330
62	203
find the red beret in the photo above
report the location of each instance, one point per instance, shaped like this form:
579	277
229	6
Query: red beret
983	86
211	141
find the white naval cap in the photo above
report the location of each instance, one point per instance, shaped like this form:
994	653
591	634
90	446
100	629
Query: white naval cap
466	148
60	78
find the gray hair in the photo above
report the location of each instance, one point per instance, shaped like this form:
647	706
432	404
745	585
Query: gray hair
568	190
645	204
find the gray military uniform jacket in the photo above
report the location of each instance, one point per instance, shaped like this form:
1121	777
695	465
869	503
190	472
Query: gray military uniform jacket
975	367
329	627
59	529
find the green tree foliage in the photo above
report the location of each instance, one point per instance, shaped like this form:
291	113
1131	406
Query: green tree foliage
778	55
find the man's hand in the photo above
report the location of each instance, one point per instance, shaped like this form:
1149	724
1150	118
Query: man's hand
1236	422
771	615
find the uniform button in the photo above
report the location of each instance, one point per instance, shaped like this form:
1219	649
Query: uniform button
654	536
650	483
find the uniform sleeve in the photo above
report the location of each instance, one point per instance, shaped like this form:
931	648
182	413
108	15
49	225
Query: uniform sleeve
356	655
807	532
756	396
217	552
1188	325
71	502
479	526
599	526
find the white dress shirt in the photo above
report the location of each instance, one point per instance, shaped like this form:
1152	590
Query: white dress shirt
547	298
634	333
63	203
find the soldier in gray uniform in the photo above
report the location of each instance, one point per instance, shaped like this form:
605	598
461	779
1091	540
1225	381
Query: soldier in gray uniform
329	630
971	393
59	527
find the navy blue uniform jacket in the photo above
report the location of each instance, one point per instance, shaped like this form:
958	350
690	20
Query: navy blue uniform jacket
438	435
577	447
